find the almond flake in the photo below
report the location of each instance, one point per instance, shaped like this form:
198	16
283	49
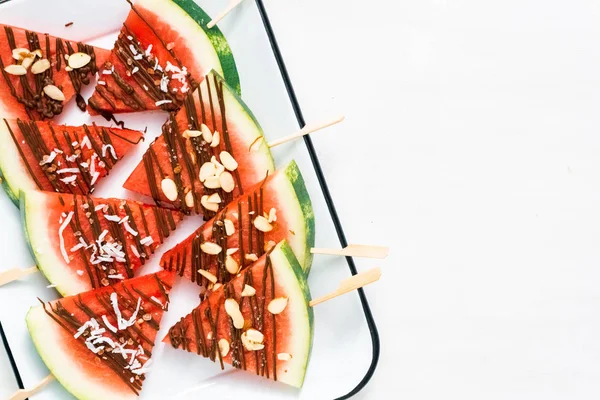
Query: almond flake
79	60
229	227
231	251
248	291
232	308
27	61
216	286
269	245
214	198
20	53
262	224
284	356
40	66
15	69
277	305
208	205
231	265
272	214
211	278
251	257
209	335
253	340
210	248
188	133
224	347
206	133
228	161
212	182
169	189
219	168
54	93
206	171
38	53
216	139
227	182
189	199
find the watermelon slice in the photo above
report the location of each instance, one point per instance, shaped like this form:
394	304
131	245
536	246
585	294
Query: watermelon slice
37	79
213	145
58	158
272	336
82	243
163	51
98	344
279	208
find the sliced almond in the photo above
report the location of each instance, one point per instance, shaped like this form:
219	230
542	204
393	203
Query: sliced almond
208	205
277	305
248	291
219	168
20	53
211	278
269	245
206	133
217	286
272	214
40	66
232	308
284	356
188	133
38	53
262	224
251	257
210	248
54	93
209	336
169	188
27	61
206	171
233	250
79	60
68	69
253	340
214	198
228	161
15	69
189	199
231	265
227	182
224	347
216	139
229	227
212	182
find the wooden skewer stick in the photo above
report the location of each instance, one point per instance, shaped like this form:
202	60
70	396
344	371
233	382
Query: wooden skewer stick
22	394
356	250
306	130
233	4
350	284
14	274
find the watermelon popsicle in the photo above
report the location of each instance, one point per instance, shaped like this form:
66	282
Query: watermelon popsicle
81	243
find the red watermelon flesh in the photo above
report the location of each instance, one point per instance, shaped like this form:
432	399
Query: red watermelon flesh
22	96
184	149
93	352
270	338
82	243
60	158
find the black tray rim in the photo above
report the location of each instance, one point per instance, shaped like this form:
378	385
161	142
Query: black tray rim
370	320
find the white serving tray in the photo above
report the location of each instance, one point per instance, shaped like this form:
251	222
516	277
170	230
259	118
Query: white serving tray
342	343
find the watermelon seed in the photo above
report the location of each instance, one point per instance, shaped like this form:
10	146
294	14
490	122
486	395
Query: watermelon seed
169	189
211	248
277	305
228	161
262	224
226	182
224	347
79	60
15	69
229	227
232	308
248	291
284	356
231	265
54	93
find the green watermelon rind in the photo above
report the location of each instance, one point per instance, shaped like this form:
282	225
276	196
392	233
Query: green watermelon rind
294	278
11	195
13	174
294	176
217	39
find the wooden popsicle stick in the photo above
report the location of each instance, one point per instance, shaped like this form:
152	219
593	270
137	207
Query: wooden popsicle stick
350	284
356	250
306	130
14	274
233	4
22	394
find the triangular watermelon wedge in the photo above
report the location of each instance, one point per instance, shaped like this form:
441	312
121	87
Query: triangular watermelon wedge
163	51
82	243
98	344
273	335
58	158
278	208
212	146
37	80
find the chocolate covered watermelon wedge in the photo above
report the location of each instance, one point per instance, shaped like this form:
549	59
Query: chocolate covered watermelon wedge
163	51
260	322
58	158
40	72
276	209
98	344
81	243
212	147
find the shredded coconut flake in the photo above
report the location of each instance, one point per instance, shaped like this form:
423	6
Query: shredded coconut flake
68	171
61	239
102	83
161	102
129	229
107	72
86	143
135	251
147	241
107	147
116	276
113	218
